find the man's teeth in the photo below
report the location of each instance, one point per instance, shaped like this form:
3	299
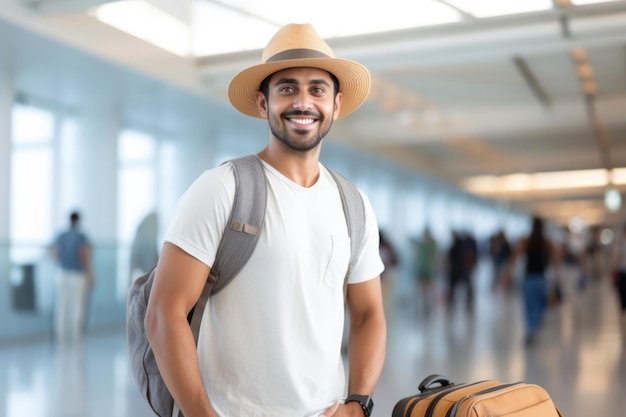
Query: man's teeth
302	121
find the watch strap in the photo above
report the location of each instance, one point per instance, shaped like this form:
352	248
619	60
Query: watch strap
366	402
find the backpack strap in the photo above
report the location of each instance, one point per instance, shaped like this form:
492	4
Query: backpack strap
245	222
241	233
354	210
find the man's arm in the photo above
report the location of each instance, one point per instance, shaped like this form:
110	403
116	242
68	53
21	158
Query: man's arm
177	286
367	339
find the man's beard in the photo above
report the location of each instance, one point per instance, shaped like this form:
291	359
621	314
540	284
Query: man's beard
280	131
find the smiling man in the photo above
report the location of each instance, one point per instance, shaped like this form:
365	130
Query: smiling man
300	92
270	341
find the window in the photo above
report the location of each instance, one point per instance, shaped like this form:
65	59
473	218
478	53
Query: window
31	184
137	203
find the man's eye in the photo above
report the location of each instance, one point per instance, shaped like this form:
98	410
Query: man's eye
286	89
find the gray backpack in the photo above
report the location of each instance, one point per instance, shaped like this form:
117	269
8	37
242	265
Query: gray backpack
238	242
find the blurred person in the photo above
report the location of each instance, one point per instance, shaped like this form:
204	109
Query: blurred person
72	250
144	252
389	256
462	258
619	276
455	267
470	258
540	253
427	259
571	263
270	341
500	252
593	256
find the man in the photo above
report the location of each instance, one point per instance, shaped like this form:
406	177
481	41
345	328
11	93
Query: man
73	252
270	342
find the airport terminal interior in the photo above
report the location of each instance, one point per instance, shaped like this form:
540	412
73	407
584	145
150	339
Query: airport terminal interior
481	115
579	358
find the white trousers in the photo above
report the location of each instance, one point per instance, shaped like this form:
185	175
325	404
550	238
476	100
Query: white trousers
71	306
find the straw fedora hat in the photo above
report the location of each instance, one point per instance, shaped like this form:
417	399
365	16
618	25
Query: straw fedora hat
299	45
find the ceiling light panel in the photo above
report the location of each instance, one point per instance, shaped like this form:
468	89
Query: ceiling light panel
217	30
148	22
488	8
249	24
581	2
541	181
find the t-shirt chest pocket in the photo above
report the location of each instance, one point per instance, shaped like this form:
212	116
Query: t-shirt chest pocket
338	261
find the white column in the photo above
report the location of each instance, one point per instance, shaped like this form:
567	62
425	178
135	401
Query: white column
7	92
7	89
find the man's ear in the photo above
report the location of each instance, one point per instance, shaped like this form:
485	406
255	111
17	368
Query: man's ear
338	99
261	104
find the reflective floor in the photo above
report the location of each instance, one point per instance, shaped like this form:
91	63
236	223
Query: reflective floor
580	358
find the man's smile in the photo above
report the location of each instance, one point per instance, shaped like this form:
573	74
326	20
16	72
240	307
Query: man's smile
301	121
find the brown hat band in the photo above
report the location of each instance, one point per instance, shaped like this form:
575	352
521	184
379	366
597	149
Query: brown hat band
297	54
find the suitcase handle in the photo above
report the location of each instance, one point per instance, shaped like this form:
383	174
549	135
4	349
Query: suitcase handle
427	383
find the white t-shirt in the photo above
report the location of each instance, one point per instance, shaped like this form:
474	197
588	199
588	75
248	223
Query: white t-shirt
270	341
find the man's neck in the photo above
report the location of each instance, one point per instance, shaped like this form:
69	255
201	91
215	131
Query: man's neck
300	167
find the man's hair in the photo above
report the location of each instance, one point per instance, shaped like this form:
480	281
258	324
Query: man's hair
265	84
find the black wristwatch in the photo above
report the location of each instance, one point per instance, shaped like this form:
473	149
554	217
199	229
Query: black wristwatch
365	400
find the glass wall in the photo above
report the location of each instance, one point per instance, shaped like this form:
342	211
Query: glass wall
31	188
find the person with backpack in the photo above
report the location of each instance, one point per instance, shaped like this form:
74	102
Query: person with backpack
270	341
539	255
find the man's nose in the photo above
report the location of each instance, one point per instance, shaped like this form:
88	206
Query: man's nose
302	101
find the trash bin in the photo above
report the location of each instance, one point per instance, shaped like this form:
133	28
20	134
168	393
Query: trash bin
23	288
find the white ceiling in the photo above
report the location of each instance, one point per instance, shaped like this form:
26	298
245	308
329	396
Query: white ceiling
490	96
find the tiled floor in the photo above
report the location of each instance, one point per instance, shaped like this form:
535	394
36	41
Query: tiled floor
580	359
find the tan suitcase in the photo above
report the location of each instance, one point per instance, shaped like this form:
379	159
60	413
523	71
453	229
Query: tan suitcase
438	397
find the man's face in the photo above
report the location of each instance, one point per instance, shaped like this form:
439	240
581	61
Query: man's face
300	107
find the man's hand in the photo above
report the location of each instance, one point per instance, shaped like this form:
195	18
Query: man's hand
352	409
331	411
